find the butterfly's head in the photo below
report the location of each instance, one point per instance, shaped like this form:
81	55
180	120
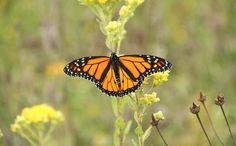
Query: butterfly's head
113	55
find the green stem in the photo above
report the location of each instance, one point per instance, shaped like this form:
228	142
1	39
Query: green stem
211	123
41	139
162	137
47	137
140	111
226	120
121	136
28	139
200	122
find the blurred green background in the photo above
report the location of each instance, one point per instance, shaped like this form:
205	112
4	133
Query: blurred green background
37	38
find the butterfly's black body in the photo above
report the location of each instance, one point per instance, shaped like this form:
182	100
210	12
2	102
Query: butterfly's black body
115	64
121	66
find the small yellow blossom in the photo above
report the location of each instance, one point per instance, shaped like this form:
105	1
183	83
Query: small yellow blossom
149	99
16	128
102	1
158	116
160	77
145	82
124	10
135	2
113	27
1	134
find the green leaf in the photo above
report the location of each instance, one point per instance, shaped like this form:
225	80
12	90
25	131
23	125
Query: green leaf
138	131
116	138
136	116
131	104
127	128
120	123
147	133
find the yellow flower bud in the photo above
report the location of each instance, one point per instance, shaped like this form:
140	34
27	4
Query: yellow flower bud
158	116
15	128
124	10
102	1
149	99
160	77
113	27
135	2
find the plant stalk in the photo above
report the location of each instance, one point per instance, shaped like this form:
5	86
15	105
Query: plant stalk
211	123
162	137
199	120
226	120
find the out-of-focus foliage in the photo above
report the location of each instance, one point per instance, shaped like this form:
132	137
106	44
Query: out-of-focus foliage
38	37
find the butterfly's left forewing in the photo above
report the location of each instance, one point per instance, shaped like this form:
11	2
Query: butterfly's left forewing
92	68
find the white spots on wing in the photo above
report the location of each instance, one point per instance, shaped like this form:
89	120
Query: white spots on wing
76	64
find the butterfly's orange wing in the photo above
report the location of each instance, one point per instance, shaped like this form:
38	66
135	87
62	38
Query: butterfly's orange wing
92	68
132	69
112	88
140	66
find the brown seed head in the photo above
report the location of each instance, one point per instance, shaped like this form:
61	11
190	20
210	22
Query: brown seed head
202	97
220	100
195	109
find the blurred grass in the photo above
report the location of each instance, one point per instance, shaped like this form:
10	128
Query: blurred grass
38	37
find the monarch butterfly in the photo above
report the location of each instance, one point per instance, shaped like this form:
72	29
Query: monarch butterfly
117	75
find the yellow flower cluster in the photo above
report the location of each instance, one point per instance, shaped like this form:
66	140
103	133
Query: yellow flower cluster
42	114
158	116
36	123
101	2
113	27
149	99
160	77
39	114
